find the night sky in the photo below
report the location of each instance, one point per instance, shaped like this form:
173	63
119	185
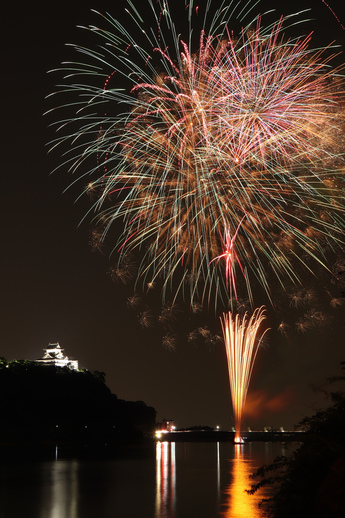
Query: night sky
55	288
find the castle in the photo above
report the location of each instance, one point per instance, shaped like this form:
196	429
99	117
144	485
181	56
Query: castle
53	355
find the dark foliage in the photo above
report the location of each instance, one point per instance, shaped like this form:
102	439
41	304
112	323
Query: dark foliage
42	404
311	482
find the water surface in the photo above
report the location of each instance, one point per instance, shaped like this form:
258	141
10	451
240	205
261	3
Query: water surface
174	480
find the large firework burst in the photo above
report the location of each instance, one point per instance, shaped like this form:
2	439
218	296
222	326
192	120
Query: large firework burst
223	156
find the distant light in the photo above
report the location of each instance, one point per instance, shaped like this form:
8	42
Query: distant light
159	433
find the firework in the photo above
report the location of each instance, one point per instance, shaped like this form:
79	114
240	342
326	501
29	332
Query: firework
223	154
241	343
336	302
133	301
169	342
167	315
145	318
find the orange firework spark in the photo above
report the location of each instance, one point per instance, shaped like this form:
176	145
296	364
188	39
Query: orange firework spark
241	345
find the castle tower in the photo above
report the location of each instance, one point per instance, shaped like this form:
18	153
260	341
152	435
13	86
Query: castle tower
54	355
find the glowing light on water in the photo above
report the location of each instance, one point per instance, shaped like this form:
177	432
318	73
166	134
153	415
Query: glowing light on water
242	341
240	503
165	479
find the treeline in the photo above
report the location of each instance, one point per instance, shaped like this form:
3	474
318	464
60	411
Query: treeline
46	405
310	483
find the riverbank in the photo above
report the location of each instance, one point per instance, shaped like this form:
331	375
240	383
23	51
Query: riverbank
222	435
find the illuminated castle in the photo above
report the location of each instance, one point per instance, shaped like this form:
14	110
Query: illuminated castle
53	355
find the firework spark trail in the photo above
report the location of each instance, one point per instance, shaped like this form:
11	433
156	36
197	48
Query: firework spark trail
334	14
230	257
241	343
239	130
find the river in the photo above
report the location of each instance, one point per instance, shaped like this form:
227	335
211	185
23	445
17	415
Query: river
172	480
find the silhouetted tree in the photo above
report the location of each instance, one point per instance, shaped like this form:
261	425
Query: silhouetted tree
311	482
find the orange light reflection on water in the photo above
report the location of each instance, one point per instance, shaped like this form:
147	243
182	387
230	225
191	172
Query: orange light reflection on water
240	504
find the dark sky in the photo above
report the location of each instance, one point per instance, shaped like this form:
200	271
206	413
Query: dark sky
54	288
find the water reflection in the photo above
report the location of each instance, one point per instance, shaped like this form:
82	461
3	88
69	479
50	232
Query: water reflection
61	498
165	480
182	480
218	469
240	504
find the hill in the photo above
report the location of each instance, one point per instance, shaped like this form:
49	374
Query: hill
45	406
